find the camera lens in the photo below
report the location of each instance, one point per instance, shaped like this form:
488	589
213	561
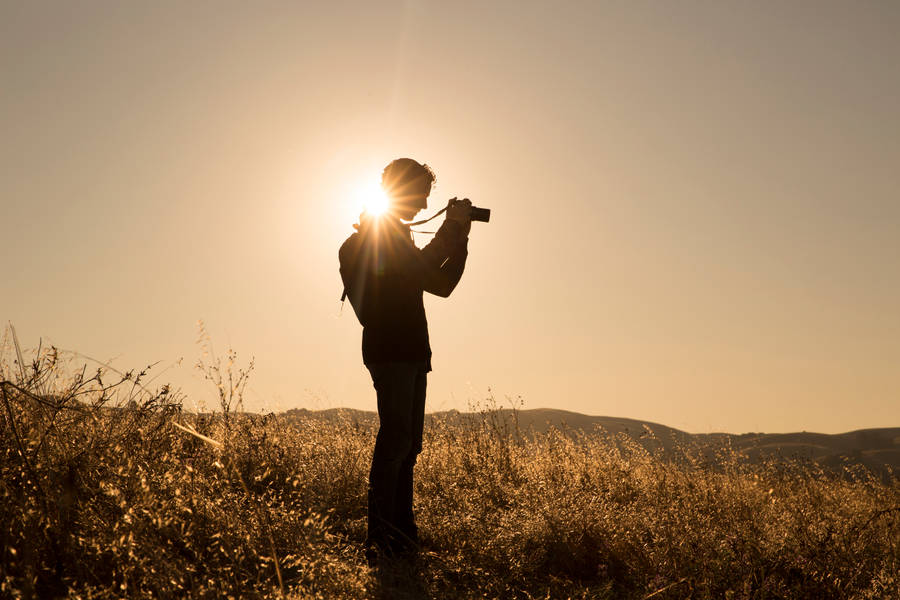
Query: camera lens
480	214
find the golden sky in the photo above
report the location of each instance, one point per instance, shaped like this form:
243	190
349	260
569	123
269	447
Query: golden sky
695	205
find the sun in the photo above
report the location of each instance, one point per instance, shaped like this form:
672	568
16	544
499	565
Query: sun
371	198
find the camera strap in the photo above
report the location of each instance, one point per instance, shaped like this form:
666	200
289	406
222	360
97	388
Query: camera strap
423	221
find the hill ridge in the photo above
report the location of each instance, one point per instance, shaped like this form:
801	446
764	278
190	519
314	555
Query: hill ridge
878	449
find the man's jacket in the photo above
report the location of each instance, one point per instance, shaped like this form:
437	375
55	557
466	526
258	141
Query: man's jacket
384	276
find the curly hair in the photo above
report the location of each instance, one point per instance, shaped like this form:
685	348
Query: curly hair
404	170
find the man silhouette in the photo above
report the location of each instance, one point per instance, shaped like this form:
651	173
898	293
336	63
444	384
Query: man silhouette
385	275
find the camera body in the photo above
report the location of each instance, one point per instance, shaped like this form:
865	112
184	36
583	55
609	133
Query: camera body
477	214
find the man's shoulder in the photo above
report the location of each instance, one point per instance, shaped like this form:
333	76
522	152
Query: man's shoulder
354	239
348	248
354	245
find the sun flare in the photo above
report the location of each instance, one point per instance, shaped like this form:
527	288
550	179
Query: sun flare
372	199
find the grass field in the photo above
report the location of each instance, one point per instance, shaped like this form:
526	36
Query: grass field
148	500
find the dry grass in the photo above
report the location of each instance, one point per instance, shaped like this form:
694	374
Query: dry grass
110	502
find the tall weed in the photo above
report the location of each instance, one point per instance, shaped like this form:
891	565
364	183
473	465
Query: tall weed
112	490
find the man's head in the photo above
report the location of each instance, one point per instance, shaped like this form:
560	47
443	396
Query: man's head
407	185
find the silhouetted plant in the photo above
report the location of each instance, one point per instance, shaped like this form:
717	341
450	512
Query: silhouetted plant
111	490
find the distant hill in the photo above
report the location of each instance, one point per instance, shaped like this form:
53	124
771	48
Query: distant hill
876	449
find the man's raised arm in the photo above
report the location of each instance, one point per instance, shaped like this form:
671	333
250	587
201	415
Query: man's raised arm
444	258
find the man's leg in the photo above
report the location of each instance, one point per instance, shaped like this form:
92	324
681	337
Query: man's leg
395	385
404	519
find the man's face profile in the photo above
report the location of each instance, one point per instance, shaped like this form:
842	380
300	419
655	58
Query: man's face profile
409	197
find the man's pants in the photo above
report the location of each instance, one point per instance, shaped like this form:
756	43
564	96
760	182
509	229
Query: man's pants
400	387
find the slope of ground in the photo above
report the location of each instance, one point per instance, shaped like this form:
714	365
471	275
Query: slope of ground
875	449
150	501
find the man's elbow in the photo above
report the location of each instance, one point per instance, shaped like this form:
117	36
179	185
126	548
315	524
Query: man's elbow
443	289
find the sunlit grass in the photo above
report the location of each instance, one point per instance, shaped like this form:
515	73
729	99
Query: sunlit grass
105	502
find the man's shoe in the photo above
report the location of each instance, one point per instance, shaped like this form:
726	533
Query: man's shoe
372	556
405	548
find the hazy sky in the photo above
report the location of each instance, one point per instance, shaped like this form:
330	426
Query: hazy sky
696	217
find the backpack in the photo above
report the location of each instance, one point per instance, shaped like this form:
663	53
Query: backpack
352	259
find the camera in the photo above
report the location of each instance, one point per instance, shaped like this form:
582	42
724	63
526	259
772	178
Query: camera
477	214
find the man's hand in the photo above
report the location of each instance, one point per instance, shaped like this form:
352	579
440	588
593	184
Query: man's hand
460	211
